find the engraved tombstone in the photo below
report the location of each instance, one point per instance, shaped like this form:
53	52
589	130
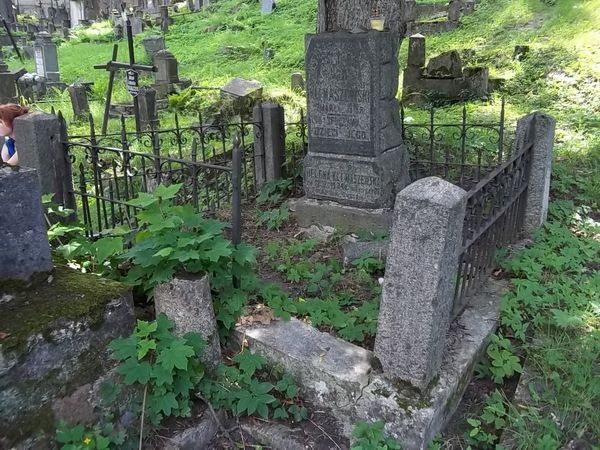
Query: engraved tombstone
356	156
46	57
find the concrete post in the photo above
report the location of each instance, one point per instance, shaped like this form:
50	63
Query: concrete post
187	301
537	128
417	298
79	100
24	247
270	153
37	137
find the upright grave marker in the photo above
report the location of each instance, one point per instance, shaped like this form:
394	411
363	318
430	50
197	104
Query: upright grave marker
356	155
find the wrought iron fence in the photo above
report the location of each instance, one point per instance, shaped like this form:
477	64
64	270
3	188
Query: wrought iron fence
113	169
462	152
494	218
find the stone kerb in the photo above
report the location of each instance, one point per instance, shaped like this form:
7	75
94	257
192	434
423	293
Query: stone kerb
537	128
417	297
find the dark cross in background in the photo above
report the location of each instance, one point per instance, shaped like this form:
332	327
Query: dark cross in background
131	73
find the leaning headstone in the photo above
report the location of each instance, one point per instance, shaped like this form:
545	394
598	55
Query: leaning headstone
46	58
24	245
79	101
454	10
153	44
356	156
188	302
147	108
166	77
266	6
445	65
297	82
418	291
242	93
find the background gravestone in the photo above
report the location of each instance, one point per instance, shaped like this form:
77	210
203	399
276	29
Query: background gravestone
356	155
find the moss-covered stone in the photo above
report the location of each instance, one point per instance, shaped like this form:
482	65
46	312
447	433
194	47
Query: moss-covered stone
38	308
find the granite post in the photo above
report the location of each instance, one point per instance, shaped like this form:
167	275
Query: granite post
356	155
270	150
38	141
537	128
147	108
79	101
24	245
187	301
297	82
417	297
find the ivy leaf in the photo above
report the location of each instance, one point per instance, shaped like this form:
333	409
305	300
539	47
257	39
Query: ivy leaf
124	348
133	371
218	249
176	356
144	346
144	329
64	434
280	413
167	402
196	341
167	192
249	362
161	375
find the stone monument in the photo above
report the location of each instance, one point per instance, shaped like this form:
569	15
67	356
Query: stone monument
356	156
166	77
46	60
8	87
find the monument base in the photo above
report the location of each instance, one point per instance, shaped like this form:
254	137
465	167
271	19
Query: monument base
346	379
361	181
308	211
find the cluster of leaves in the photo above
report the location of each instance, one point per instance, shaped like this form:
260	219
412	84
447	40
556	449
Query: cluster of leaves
68	238
272	193
176	238
78	438
484	430
500	362
371	436
246	389
166	365
273	219
352	320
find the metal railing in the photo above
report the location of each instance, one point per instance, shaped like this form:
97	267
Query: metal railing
494	218
113	169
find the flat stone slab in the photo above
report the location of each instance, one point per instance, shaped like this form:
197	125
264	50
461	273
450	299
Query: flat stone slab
347	380
353	249
309	212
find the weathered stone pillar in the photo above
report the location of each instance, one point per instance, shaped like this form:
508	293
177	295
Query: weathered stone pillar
37	137
147	108
24	247
187	301
420	273
270	153
46	57
416	50
79	100
164	18
538	129
454	10
297	82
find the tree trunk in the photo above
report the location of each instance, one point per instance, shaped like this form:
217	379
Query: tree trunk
337	15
